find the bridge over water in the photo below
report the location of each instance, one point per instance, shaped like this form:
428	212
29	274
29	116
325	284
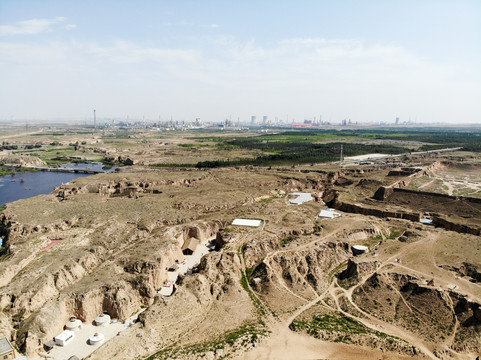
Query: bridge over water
66	170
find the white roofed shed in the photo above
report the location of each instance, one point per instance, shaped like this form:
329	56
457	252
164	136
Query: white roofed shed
329	214
247	222
301	198
64	338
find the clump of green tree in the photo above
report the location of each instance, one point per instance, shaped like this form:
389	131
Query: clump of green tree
288	153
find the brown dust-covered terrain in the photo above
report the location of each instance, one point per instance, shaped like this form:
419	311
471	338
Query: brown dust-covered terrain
375	282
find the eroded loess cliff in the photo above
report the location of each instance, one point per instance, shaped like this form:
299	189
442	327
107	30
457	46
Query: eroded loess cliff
104	244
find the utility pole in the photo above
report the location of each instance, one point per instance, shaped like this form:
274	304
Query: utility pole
95	122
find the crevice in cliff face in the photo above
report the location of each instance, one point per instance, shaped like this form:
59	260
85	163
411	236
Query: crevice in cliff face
5	229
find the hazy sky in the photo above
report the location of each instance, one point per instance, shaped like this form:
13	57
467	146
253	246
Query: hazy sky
363	60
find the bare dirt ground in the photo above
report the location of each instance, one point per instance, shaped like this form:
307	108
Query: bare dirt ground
283	344
451	179
291	289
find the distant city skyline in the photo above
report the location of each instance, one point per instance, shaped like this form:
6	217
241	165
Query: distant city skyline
368	61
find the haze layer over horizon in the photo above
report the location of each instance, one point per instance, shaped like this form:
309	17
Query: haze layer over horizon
367	61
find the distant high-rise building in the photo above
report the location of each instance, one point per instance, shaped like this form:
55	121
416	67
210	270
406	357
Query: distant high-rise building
397	121
264	119
253	119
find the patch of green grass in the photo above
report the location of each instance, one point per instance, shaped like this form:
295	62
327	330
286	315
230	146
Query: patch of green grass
244	281
316	230
373	240
338	324
337	269
284	241
117	135
17	170
330	323
171	165
246	334
265	200
395	234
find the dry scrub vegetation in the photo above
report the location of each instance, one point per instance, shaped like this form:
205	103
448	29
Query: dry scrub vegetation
291	288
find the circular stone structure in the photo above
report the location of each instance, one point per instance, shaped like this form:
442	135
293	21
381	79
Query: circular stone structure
74	324
102	319
96	339
359	249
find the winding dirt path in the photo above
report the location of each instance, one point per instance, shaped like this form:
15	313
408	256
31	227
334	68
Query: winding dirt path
286	344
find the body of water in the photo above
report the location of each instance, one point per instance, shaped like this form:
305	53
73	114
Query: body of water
87	166
23	186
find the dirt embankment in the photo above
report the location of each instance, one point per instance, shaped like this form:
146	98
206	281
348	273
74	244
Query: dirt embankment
454	213
21	161
331	198
386	194
443	317
122	187
452	226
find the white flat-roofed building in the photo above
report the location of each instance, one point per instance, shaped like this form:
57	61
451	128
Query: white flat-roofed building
247	222
64	338
6	349
329	214
301	198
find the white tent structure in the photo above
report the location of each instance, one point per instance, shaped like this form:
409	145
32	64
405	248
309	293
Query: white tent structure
102	319
301	198
74	324
329	214
64	338
96	339
247	222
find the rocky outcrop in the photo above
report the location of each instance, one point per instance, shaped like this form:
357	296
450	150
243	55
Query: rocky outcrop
21	161
405	171
222	271
431	312
121	187
358	268
471	271
122	159
298	269
382	193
